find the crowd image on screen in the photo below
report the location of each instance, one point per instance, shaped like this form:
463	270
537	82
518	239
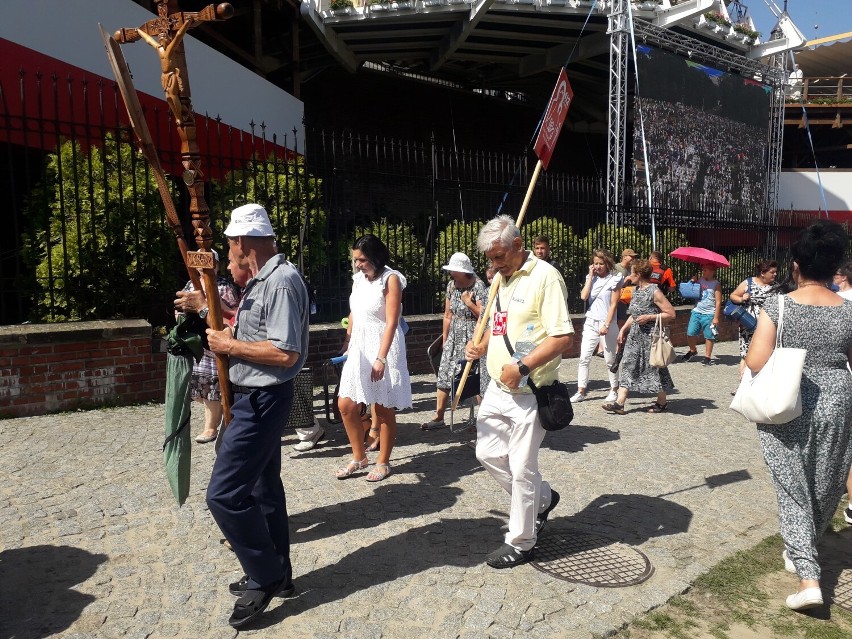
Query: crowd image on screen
695	154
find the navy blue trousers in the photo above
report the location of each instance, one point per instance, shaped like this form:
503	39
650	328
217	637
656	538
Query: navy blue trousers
245	494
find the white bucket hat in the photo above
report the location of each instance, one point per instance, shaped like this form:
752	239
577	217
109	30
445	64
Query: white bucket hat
460	263
249	220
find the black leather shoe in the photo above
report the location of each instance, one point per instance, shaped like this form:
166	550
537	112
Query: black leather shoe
507	556
542	516
238	588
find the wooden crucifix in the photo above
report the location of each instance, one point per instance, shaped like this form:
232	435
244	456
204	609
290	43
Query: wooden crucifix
165	34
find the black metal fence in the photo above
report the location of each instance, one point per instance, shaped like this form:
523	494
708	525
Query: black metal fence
86	236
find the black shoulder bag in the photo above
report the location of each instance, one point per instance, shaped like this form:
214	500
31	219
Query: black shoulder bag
555	411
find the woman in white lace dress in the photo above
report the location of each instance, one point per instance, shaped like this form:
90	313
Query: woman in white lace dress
376	368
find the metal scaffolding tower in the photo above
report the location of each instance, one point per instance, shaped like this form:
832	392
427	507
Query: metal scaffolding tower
619	54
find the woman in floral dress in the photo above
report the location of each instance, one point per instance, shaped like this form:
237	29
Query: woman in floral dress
637	374
466	296
752	293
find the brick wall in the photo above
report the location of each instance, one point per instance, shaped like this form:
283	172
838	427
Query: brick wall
326	339
46	368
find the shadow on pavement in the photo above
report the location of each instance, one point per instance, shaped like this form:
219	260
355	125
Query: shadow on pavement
576	438
835	559
691	406
449	542
36	596
631	519
433	492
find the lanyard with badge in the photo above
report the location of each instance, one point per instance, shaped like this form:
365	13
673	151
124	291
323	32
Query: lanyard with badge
501	318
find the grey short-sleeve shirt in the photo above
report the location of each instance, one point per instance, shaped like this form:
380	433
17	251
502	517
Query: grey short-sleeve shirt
274	308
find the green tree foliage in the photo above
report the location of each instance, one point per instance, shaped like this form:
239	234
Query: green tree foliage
563	242
293	199
89	248
406	251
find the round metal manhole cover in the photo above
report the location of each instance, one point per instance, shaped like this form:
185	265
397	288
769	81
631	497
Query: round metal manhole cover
590	559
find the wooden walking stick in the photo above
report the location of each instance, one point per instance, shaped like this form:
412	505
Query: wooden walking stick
165	34
552	122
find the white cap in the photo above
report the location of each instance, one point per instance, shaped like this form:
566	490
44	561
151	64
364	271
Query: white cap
460	263
251	220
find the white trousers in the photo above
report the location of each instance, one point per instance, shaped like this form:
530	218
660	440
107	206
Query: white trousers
508	436
304	434
589	344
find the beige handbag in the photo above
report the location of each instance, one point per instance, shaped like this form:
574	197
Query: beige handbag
662	351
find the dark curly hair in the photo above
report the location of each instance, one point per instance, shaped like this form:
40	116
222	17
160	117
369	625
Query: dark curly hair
818	252
765	265
374	250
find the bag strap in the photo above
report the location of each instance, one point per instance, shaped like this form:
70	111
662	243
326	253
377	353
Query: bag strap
778	340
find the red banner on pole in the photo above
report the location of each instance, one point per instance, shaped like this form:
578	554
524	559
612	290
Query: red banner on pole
554	117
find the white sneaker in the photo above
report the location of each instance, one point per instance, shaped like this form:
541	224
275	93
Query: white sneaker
613	395
807	598
789	566
577	397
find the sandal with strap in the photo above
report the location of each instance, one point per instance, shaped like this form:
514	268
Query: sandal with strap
252	603
352	467
373	446
656	407
379	475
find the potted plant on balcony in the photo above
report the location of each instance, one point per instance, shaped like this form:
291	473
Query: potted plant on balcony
341	7
749	35
713	21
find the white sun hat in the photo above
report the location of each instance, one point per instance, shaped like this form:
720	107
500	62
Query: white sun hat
460	263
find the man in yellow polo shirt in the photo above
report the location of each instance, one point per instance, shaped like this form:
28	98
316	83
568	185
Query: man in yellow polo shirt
509	433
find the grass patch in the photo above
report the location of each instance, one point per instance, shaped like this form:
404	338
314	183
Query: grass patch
748	589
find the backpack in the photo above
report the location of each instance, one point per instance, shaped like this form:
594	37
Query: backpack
657	278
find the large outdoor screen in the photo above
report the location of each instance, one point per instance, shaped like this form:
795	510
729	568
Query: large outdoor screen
707	135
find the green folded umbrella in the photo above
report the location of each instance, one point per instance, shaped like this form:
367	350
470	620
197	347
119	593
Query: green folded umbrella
183	345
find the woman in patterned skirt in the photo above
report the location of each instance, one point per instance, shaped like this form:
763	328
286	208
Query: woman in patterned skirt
637	374
466	295
809	457
752	293
204	383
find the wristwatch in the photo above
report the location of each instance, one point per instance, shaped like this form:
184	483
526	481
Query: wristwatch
383	360
203	312
523	368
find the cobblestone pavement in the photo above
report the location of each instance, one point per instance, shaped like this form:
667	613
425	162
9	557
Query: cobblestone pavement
93	545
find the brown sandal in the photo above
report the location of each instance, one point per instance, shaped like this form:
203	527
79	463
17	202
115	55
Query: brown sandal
656	407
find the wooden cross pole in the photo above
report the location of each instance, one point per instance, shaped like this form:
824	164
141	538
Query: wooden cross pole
165	34
551	126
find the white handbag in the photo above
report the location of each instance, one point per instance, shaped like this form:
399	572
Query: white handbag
662	351
774	395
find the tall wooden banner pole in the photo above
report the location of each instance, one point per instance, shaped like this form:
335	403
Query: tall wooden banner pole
495	286
551	125
165	34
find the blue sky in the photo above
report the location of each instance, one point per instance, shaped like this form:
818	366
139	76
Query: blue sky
815	18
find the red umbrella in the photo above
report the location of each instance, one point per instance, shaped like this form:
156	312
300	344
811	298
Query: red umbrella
699	256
